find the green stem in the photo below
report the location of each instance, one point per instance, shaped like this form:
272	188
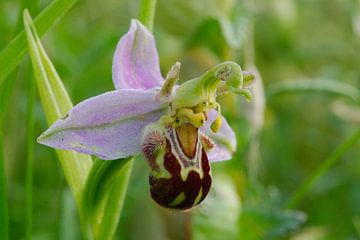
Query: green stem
188	226
7	87
325	165
253	160
5	93
30	134
30	157
114	202
29	4
147	13
4	223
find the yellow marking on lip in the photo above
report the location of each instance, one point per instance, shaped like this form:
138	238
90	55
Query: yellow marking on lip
198	197
162	173
179	199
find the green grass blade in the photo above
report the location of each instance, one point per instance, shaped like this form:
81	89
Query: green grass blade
56	103
147	13
4	218
105	189
25	4
30	157
5	92
69	226
114	201
13	53
314	85
324	166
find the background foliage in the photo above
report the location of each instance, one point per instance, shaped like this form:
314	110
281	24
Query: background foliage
294	41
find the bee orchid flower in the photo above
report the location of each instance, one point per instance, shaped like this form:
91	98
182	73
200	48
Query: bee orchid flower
178	128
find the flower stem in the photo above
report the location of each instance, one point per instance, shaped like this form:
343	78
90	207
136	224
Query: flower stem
325	165
30	125
187	225
4	223
30	157
147	13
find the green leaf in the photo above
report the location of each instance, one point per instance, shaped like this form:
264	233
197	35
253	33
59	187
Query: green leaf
104	195
56	103
30	140
314	85
69	226
4	215
11	55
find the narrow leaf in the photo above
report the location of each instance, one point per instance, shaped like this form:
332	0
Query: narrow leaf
4	220
30	140
11	55
104	195
114	203
69	226
56	103
314	85
322	168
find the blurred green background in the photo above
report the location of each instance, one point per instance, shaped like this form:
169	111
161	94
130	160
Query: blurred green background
283	136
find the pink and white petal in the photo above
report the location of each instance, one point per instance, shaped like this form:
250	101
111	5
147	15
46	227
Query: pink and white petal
136	61
224	139
108	126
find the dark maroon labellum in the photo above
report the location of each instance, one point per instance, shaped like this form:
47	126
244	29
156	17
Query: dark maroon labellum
184	156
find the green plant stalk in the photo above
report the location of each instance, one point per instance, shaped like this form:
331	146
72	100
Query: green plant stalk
56	103
13	53
356	223
314	85
99	195
69	227
7	88
114	201
324	166
25	4
147	13
5	92
30	157
249	59
4	215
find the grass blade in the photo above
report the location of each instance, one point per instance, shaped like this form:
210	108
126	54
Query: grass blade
4	218
13	53
314	85
324	166
104	195
30	157
56	103
69	226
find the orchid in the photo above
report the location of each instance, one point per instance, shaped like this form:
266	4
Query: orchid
178	128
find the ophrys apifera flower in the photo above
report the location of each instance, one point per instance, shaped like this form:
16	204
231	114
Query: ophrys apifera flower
178	128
